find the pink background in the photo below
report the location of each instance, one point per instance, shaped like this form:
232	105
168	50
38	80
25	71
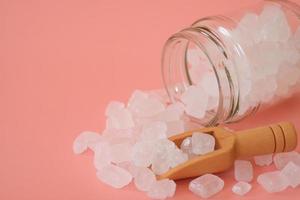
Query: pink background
61	62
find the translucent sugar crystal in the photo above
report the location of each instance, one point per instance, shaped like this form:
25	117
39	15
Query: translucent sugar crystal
160	164
186	147
154	131
193	57
119	117
271	59
195	100
160	161
84	140
210	84
290	52
281	159
144	178
196	74
292	72
273	181
121	152
142	153
241	188
273	24
198	64
263	160
177	157
202	143
175	127
162	189
206	186
292	173
247	28
159	94
143	105
102	156
130	167
114	176
113	108
112	134
243	170
173	112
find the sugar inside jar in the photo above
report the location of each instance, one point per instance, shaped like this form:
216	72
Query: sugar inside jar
225	67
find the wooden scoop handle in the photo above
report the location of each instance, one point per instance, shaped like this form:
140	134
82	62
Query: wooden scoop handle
275	138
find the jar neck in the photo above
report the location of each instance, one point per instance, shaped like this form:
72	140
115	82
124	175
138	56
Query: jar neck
177	77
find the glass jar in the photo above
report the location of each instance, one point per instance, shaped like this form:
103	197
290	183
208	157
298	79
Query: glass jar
225	67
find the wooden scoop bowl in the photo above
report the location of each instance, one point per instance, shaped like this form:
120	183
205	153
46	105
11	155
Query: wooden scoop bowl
230	146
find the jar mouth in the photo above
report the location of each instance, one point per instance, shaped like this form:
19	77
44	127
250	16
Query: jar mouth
179	73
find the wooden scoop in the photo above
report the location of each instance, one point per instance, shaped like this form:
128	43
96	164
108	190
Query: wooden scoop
230	146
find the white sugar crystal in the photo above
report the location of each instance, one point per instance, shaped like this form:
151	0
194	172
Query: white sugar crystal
194	110
102	155
159	94
154	131
142	153
283	83
143	105
84	140
210	84
272	181
160	161
121	152
116	136
114	176
144	178
175	127
241	188
292	72
177	157
122	120
195	100
173	112
160	165
193	57
263	160
290	52
292	173
247	28
202	143
186	147
273	24
281	159
270	89
130	167
206	186
196	74
269	62
198	64
243	170
164	145
113	108
162	189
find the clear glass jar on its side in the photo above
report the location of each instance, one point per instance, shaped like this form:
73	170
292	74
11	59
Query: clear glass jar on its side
224	68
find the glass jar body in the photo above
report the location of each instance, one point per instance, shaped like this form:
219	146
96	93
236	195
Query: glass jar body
224	68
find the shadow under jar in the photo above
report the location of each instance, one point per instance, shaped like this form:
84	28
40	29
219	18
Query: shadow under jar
225	67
